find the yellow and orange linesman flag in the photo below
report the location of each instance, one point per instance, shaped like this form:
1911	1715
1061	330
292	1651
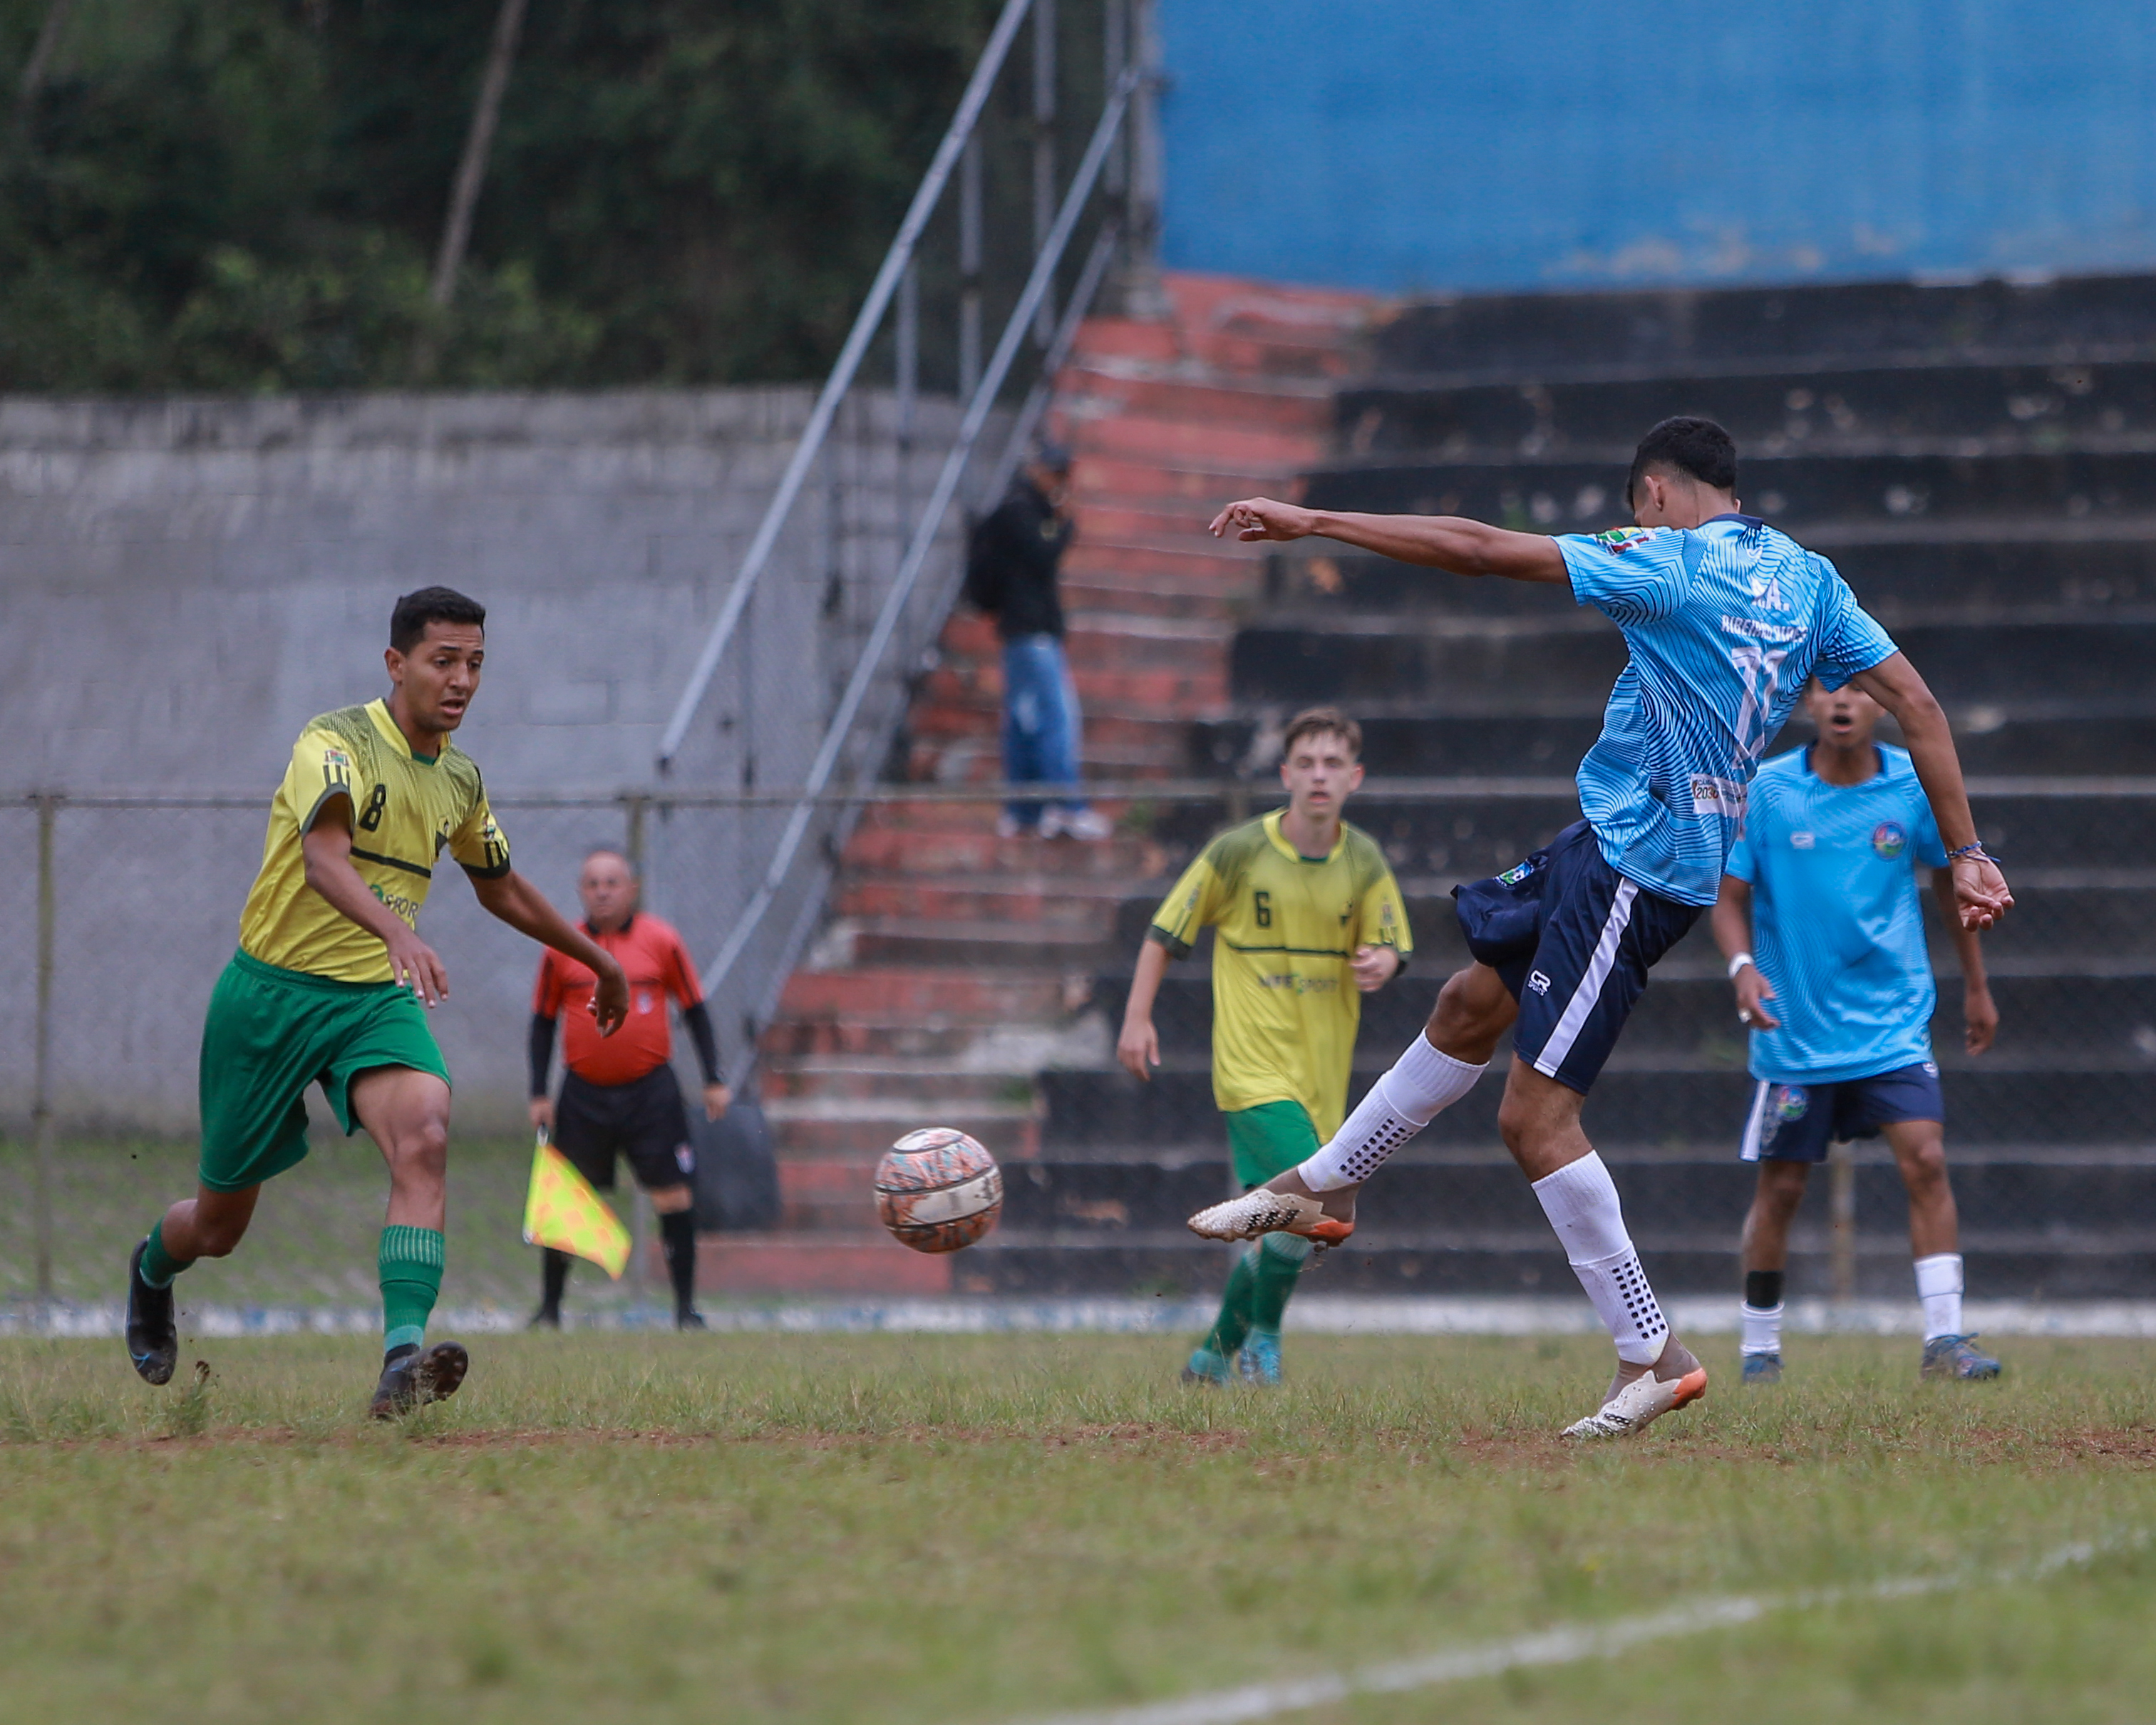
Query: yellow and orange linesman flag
563	1211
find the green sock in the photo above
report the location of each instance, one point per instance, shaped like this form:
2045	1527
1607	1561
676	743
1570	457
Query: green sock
1234	1323
1279	1260
160	1266
411	1263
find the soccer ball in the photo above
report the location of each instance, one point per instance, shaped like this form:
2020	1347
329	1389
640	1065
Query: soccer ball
937	1190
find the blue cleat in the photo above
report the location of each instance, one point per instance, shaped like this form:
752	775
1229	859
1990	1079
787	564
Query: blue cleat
1259	1362
1205	1366
1762	1369
1957	1357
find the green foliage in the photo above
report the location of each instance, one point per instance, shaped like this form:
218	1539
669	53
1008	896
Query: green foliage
247	194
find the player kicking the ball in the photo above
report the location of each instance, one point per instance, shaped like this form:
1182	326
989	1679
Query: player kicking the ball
1823	882
1726	619
1308	919
328	984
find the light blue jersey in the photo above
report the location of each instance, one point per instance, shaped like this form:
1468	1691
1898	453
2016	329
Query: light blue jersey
1836	925
1726	622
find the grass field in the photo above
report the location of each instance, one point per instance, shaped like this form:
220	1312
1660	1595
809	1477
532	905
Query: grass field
823	1527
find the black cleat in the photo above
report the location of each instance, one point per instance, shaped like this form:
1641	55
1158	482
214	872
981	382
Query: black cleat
411	1379
545	1318
153	1336
689	1320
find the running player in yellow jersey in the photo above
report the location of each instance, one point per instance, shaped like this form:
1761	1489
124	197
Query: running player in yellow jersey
1308	919
331	985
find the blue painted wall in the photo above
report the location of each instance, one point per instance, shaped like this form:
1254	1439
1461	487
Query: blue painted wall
1433	144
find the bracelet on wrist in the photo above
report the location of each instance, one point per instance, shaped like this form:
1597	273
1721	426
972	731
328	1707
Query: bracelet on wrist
1970	853
1738	964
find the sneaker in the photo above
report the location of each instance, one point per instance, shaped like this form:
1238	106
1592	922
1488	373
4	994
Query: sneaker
153	1334
1205	1366
1259	1362
1630	1409
1089	824
1944	1356
411	1379
1762	1369
545	1318
689	1320
1259	1212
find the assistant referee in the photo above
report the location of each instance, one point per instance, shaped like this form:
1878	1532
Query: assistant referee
619	1095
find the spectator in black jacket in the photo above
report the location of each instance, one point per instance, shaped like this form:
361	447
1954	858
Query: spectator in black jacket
1011	565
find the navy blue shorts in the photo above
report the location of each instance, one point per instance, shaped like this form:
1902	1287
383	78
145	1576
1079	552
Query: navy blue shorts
1795	1122
1573	941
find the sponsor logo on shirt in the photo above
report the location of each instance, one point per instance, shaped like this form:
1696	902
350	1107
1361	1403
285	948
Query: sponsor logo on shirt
1759	631
1296	983
1716	796
1538	982
1802	841
1617	541
1889	839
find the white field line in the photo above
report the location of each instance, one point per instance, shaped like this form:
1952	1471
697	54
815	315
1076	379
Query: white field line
1561	1646
1311	1314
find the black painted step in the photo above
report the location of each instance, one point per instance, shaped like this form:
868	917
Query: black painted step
2052	1026
2071	923
1991	736
1793	492
2040	408
1468	836
1575	652
2006	577
1525	335
1986	1104
1704	1189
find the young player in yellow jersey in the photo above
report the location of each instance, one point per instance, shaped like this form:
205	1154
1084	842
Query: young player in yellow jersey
1308	919
328	986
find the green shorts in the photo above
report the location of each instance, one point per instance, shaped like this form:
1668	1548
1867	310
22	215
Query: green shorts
1268	1140
271	1032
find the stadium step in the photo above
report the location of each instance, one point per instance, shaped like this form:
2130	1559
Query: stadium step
957	965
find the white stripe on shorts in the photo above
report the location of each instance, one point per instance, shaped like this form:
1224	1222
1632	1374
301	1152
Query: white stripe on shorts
1749	1150
1589	991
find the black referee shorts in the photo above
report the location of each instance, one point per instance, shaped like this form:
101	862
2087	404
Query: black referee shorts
643	1120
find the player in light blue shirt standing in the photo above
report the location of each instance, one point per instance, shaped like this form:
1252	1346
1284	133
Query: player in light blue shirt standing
1821	885
1725	620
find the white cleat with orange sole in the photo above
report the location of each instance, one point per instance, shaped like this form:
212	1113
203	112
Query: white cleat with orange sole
1639	1404
1261	1212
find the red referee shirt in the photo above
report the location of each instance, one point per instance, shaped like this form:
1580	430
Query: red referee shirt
658	966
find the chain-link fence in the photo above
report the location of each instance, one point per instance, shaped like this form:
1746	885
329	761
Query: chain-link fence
949	976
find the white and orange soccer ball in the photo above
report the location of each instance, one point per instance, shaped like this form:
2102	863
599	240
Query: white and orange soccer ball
938	1190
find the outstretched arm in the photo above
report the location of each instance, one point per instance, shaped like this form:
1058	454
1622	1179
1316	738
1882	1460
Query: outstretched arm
1980	894
520	904
1438	541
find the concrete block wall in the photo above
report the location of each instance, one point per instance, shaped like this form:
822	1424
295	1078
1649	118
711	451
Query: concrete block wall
183	583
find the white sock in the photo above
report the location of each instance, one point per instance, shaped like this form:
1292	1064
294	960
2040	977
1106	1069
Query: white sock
1939	1285
1410	1095
1763	1327
1580	1200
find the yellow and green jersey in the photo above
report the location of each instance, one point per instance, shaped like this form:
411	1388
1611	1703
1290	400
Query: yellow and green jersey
1285	1003
407	809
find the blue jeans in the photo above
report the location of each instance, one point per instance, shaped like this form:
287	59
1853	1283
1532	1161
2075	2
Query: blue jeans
1040	721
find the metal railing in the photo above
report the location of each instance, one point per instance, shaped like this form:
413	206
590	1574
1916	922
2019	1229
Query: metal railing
728	729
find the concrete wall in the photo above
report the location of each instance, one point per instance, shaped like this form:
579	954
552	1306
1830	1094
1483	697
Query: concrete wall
182	584
1434	144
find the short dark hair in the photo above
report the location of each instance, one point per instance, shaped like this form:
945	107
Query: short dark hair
1695	447
1318	721
408	623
